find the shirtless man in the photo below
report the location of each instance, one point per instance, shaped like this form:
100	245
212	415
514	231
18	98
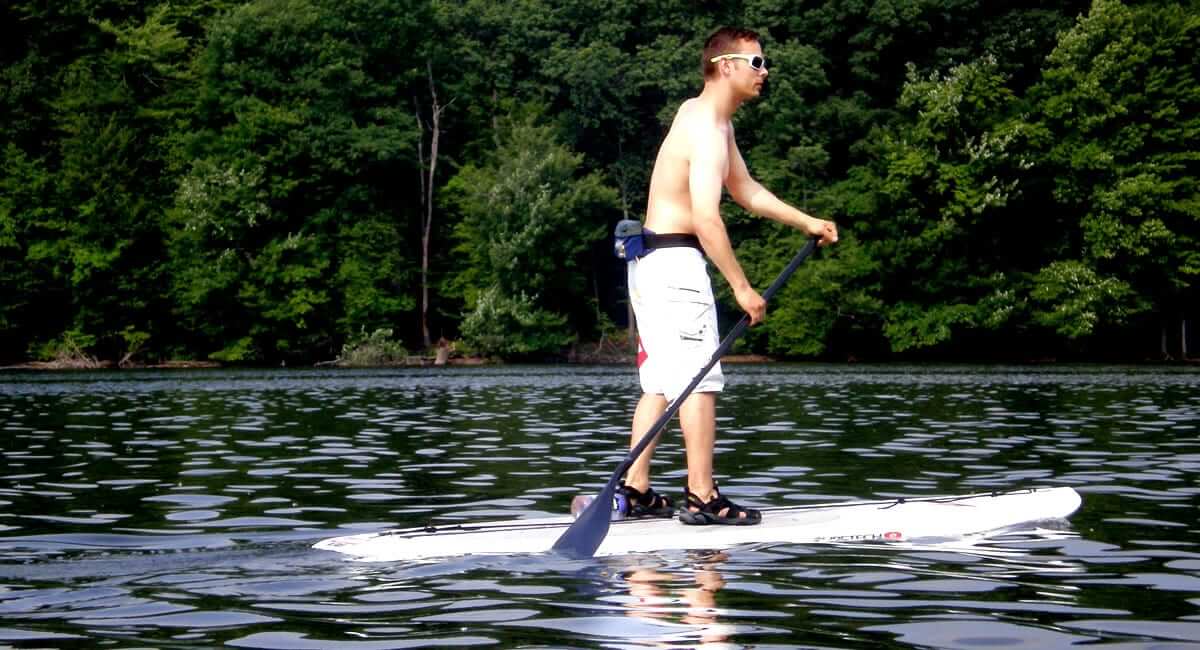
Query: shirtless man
670	288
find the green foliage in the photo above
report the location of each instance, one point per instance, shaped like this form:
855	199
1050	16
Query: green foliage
934	246
289	294
377	348
69	349
135	340
1119	119
87	226
528	218
239	351
513	327
1073	299
284	229
827	296
372	280
241	179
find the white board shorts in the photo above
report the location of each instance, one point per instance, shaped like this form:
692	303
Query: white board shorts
677	321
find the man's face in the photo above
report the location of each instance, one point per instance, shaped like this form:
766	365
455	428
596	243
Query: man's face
745	78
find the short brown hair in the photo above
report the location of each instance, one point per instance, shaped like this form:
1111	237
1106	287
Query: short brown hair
723	41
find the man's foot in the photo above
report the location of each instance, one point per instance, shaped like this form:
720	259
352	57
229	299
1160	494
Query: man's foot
718	510
645	504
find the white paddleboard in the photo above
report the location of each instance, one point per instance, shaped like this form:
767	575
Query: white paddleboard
892	520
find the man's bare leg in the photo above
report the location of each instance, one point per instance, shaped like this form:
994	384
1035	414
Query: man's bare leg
699	420
649	409
698	417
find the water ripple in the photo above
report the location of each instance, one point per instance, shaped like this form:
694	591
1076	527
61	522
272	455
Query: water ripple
179	508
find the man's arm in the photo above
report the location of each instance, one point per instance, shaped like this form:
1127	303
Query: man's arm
759	200
709	162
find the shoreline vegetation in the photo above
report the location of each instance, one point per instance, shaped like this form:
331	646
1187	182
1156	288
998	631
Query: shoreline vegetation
597	353
460	362
427	361
379	350
260	183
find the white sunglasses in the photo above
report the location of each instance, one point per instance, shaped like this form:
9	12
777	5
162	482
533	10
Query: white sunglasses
755	61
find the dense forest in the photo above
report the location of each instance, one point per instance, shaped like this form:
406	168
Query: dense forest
279	180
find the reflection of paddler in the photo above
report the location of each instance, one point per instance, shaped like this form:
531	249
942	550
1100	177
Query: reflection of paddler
653	597
702	603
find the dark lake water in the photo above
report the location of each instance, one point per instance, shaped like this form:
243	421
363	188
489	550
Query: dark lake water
178	509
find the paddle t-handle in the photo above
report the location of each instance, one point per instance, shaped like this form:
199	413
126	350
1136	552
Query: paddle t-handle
587	532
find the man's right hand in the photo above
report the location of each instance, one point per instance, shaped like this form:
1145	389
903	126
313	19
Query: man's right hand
752	303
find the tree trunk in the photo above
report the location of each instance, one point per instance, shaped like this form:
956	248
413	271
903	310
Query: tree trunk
427	185
1183	332
421	175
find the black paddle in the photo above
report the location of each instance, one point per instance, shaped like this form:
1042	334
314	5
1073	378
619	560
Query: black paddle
584	535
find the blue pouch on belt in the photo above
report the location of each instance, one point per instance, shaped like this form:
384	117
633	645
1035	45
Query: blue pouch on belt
629	243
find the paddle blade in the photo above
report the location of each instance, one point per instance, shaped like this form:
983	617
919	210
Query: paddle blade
581	539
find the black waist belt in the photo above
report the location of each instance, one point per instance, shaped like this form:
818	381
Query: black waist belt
671	240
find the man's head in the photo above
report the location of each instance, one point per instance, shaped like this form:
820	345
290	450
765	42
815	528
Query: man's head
733	60
725	42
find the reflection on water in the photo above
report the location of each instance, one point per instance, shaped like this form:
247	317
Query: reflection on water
690	599
178	508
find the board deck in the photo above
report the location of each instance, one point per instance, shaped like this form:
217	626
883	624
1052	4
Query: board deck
889	520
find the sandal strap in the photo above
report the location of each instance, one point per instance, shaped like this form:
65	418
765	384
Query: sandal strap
694	501
716	504
648	499
655	500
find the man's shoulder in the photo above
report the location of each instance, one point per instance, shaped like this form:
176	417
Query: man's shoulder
693	109
685	114
697	120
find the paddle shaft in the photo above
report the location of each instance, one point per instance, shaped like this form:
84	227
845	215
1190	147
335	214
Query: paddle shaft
584	536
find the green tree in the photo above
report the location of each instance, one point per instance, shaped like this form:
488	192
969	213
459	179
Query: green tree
932	213
243	179
528	217
1118	119
844	74
292	225
87	222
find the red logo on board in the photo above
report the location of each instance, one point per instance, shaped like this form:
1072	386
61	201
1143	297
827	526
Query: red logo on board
893	535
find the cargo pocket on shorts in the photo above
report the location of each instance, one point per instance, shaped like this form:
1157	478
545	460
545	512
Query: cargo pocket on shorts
690	307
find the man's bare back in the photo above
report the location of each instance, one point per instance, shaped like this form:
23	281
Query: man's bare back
669	209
